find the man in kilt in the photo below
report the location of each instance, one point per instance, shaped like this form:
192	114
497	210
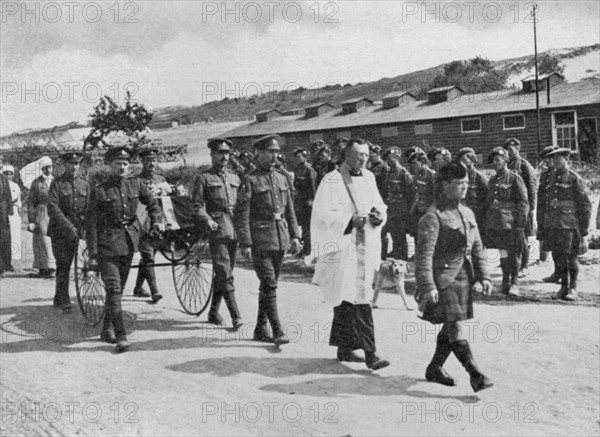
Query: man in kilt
449	261
506	209
566	221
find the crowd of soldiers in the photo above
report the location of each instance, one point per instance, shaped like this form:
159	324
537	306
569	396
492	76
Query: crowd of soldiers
249	199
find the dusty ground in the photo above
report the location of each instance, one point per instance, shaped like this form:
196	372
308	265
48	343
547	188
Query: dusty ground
184	377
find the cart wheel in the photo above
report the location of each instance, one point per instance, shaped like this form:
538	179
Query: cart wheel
193	279
89	286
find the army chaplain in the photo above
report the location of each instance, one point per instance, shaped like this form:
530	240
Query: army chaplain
449	260
113	236
215	196
566	220
146	272
69	197
267	223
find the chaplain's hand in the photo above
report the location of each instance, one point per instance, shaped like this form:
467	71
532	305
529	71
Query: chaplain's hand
247	253
295	246
358	221
31	227
158	228
213	225
431	296
487	287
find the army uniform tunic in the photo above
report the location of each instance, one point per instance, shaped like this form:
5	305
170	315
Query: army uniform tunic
68	200
423	196
147	252
542	201
305	181
381	170
399	198
215	197
476	194
524	169
567	216
267	222
113	236
323	169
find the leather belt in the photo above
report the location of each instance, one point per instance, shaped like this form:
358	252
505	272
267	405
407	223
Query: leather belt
555	203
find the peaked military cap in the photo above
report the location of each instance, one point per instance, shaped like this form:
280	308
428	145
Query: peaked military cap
468	152
317	143
511	142
395	151
560	151
119	152
544	153
375	148
439	151
71	157
151	152
301	150
268	142
245	154
218	144
341	140
281	157
453	170
416	154
324	149
498	151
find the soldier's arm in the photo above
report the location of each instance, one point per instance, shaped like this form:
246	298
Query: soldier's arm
522	209
312	176
148	199
54	211
91	224
290	216
429	228
482	186
32	200
243	223
532	185
198	200
480	264
584	207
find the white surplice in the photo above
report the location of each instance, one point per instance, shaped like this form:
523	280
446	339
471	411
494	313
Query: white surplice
345	266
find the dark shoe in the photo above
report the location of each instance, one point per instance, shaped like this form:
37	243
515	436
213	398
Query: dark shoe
263	336
282	339
156	297
560	294
439	375
374	362
141	292
554	278
237	323
571	296
215	319
462	350
108	336
122	346
349	356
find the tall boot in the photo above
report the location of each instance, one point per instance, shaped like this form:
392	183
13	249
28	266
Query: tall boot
151	278
234	312
573	274
563	268
462	350
261	332
505	275
119	325
273	315
138	290
555	277
107	334
213	314
435	371
513	263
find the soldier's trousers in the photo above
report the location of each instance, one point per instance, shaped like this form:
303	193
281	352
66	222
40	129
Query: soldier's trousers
564	244
114	271
223	254
400	242
146	267
303	215
64	251
267	264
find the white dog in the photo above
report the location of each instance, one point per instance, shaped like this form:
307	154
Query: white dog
391	275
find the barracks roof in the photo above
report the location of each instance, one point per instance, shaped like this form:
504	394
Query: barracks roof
504	101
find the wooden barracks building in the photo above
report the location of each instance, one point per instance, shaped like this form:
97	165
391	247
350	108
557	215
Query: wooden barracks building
569	114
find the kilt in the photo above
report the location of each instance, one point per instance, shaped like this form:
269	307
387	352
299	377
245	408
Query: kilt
352	327
562	240
455	302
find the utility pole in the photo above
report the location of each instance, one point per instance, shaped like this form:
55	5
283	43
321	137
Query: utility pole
537	94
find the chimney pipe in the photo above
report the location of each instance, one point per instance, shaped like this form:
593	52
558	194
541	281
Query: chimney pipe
548	90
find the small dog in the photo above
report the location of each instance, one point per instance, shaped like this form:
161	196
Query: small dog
391	275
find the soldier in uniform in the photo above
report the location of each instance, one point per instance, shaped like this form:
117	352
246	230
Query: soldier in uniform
113	236
449	260
324	163
478	186
336	151
566	220
315	146
439	157
68	200
506	209
305	181
399	198
423	188
379	168
546	169
281	168
146	272
524	169
245	161
268	222
215	198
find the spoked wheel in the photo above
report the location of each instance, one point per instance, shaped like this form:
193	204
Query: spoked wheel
89	286
192	277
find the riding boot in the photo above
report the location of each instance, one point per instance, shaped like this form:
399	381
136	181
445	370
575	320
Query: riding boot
151	278
462	350
435	371
505	275
234	312
107	334
513	268
261	332
273	315
573	274
213	314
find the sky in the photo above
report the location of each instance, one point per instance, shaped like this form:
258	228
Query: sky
58	58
